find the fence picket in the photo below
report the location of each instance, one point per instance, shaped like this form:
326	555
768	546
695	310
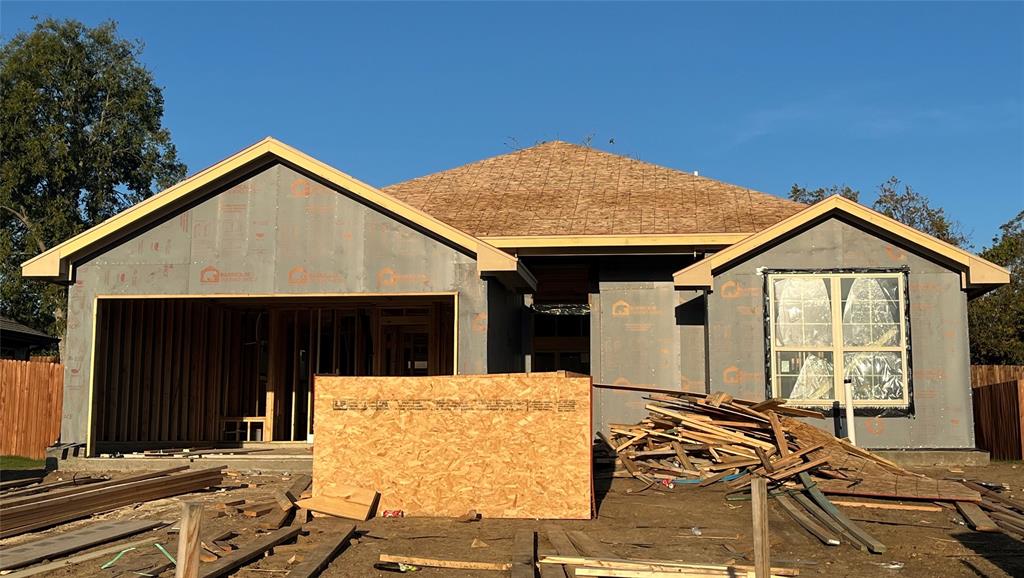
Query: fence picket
31	395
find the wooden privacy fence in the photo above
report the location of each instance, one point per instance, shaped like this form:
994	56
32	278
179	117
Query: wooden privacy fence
31	395
987	374
998	419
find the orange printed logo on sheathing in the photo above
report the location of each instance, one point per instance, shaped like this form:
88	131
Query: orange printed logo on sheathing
874	426
734	375
298	276
895	254
301	188
387	277
211	274
479	324
733	290
623	308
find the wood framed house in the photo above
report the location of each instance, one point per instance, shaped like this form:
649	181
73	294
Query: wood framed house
202	313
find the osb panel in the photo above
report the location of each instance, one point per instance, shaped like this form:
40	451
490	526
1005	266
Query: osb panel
505	445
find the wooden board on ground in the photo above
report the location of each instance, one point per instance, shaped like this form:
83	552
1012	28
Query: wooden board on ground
316	561
524	554
977	519
505	445
248	552
65	543
438	563
352	503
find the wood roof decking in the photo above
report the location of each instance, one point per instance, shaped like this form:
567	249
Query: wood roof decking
558	188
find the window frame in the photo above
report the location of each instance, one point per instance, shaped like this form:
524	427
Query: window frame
834	278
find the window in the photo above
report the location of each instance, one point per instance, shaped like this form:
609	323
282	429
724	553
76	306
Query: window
825	328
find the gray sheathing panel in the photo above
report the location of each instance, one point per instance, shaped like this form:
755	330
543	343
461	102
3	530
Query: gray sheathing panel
643	332
276	232
938	328
504	326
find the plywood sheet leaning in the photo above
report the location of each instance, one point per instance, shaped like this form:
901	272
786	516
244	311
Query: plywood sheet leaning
505	445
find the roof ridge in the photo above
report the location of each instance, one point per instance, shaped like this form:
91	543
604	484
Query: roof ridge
601	152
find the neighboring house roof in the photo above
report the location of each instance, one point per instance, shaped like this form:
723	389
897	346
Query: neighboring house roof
561	190
9	326
55	264
977	274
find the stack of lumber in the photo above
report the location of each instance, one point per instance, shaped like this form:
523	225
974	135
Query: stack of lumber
33	512
996	512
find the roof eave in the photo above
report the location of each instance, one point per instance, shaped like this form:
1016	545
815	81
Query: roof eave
55	264
977	274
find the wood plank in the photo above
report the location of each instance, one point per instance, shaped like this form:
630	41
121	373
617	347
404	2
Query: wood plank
762	544
187	561
249	552
780	475
778	433
298	486
524	554
885	506
563	546
977	519
339	506
659	565
438	563
65	543
277	518
806	522
589	546
80	559
872	544
318	560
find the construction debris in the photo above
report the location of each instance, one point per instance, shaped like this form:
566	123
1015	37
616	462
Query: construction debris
692	438
27	513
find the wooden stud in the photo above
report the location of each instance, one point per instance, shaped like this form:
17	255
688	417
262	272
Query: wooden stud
762	545
188	540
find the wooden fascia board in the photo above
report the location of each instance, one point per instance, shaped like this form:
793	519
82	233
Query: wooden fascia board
600	241
977	272
53	264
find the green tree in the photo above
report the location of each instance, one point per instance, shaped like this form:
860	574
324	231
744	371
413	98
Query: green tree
909	207
81	138
997	318
811	196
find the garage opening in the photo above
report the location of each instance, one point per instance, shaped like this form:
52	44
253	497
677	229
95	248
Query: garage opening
231	370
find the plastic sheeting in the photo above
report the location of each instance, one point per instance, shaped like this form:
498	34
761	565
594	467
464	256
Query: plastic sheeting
871	318
803	312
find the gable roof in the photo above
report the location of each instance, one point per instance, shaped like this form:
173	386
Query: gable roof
558	189
976	274
55	264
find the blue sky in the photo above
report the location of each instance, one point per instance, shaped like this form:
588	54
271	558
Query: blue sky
761	95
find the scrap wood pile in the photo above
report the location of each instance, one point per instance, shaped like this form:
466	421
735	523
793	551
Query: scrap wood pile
691	438
266	527
37	508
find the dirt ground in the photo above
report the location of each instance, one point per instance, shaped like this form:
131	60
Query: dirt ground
653	524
